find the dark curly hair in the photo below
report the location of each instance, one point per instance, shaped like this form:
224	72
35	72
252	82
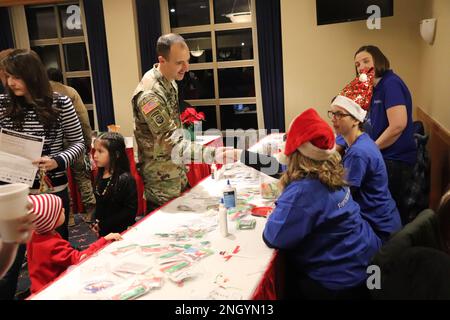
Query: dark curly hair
27	66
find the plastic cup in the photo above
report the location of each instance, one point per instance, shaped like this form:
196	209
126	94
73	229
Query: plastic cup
269	187
13	205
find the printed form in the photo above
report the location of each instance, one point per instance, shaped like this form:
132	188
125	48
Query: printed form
17	151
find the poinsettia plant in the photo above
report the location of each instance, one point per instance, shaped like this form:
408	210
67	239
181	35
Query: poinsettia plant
190	116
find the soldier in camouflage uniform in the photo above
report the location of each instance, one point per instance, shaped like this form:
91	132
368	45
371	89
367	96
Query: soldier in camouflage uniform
157	125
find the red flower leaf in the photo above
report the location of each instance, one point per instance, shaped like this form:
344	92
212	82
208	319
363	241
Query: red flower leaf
190	116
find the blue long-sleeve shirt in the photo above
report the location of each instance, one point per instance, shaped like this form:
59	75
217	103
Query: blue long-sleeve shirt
323	233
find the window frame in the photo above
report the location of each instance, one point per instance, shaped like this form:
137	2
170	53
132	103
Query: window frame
60	41
215	65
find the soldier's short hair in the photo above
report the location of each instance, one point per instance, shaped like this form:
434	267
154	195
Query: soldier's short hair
55	74
165	42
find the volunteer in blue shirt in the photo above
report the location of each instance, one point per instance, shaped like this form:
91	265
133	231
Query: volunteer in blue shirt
316	223
363	162
390	116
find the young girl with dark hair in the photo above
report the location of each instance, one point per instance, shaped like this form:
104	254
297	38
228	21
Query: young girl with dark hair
115	187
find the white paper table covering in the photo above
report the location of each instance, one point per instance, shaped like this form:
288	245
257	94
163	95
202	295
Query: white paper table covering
244	272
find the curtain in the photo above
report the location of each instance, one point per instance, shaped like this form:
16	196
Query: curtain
149	27
98	53
268	19
6	37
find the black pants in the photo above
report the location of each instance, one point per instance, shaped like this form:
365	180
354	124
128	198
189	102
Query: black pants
151	207
304	288
8	284
64	229
399	175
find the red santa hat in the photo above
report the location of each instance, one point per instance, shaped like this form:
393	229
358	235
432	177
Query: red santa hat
356	96
47	208
311	135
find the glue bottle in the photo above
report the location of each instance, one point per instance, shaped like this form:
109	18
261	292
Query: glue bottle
229	196
223	222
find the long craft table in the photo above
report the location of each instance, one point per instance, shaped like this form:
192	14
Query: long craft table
249	273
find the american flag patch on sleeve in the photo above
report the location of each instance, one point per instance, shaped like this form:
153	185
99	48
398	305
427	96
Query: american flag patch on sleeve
149	106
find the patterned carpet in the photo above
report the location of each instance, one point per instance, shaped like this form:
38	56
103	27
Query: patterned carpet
80	237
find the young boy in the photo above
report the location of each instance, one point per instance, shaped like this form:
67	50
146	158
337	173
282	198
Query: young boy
48	253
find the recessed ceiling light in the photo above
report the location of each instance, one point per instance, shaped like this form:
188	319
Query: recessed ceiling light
242	44
172	10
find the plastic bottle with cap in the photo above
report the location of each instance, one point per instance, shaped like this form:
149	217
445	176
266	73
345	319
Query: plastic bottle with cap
229	196
223	219
213	171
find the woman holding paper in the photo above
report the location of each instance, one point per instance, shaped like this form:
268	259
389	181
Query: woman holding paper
30	107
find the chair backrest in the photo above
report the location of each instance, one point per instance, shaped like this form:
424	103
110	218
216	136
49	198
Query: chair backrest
443	215
417	273
419	127
414	263
422	231
416	196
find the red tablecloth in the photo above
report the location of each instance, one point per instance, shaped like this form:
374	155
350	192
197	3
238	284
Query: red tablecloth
271	286
196	173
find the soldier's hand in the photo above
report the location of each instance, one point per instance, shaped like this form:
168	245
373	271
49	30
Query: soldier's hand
226	155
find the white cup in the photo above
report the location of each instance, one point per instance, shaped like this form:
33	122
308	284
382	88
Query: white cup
13	205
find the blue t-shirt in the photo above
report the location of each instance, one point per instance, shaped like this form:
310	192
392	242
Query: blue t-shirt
340	141
366	170
389	92
323	232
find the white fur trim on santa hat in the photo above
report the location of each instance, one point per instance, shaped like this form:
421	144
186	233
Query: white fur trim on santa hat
281	158
351	106
311	151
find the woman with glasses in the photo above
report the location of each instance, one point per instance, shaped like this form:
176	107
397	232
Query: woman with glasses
316	223
365	168
390	117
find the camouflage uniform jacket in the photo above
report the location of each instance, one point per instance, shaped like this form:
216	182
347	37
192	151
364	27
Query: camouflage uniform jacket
163	151
80	109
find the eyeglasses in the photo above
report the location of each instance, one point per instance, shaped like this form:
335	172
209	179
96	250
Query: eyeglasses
338	115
